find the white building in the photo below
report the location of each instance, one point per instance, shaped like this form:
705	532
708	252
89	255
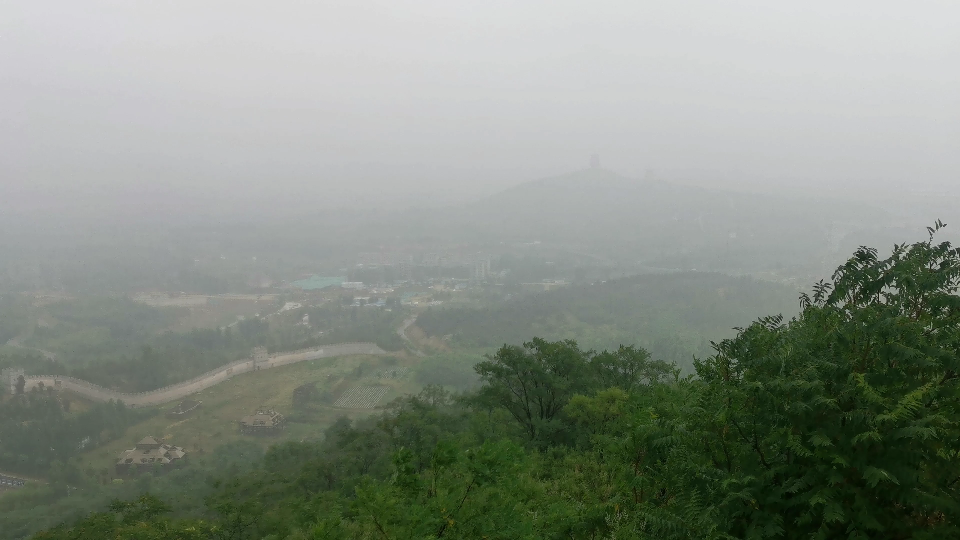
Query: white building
291	306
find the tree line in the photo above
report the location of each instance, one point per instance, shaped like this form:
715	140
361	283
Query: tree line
40	435
841	422
674	316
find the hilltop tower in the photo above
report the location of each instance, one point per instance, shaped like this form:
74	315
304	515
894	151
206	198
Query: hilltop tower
595	161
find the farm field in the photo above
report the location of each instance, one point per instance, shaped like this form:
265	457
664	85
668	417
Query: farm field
362	397
215	422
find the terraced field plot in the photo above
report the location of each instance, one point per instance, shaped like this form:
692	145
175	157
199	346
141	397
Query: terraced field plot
361	397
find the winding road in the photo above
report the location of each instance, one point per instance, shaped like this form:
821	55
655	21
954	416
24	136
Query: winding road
183	389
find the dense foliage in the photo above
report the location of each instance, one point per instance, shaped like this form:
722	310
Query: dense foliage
89	328
38	506
28	361
341	324
450	370
13	320
173	357
40	435
674	316
839	423
117	343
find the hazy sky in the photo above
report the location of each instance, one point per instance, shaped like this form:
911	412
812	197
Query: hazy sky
387	95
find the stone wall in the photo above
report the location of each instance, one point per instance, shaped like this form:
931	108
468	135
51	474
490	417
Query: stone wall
213	377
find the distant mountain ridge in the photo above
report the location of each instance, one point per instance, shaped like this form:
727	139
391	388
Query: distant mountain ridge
658	222
593	214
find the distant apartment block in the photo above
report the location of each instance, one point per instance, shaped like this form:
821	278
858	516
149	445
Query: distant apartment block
480	270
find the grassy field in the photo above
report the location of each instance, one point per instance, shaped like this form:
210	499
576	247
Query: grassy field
215	421
221	312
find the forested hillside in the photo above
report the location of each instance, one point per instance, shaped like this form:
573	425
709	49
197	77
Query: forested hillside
594	211
674	316
40	436
663	223
839	423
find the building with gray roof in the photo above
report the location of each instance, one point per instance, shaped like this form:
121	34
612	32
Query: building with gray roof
150	453
262	422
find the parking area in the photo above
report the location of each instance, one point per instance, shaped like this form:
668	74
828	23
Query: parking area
10	482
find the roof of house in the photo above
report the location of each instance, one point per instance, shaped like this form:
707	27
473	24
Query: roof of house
153	453
262	418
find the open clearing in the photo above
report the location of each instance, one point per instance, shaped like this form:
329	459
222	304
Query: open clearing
215	421
210	311
222	311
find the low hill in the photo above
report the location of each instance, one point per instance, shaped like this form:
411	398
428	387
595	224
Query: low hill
674	316
668	224
657	223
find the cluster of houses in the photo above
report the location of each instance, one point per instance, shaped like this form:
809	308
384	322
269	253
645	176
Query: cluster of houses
150	453
262	422
154	454
11	482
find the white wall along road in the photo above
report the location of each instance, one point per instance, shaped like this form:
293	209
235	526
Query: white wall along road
181	390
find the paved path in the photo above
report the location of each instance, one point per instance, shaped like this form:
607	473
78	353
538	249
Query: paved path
402	332
181	390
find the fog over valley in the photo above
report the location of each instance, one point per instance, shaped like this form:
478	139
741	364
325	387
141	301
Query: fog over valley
446	101
508	270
